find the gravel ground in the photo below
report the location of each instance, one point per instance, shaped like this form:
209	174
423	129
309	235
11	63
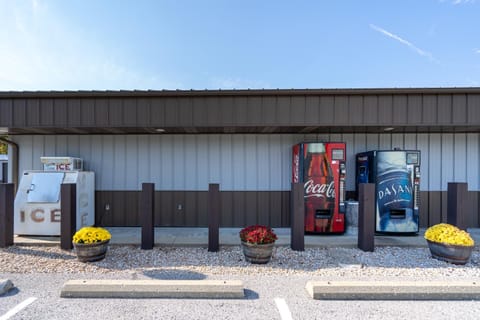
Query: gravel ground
198	263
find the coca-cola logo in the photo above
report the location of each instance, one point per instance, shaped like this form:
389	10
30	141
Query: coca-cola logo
319	190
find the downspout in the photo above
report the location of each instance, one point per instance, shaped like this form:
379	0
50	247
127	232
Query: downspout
14	160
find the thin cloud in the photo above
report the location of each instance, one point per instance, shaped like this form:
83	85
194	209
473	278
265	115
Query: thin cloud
405	42
476	51
455	2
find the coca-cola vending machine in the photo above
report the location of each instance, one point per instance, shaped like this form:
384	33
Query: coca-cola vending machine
320	166
396	175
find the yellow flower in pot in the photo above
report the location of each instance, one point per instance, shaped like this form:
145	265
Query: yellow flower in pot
91	243
449	243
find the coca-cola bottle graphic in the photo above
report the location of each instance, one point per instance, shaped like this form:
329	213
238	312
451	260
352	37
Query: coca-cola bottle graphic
319	189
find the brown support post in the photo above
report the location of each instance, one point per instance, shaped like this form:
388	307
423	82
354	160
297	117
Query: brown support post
6	214
213	217
68	214
297	213
366	216
147	204
457	198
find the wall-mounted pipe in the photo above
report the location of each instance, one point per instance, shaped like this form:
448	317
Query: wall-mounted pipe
13	160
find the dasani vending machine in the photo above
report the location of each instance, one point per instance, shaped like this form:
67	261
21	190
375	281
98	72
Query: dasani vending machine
396	175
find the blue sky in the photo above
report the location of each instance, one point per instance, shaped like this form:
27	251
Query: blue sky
175	44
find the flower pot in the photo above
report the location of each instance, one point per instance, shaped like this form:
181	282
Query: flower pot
89	252
450	253
257	253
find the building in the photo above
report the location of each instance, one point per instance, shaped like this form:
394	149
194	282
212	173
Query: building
241	139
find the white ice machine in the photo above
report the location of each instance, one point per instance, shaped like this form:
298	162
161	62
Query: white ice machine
37	203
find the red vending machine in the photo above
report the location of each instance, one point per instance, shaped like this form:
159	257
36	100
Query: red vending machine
321	167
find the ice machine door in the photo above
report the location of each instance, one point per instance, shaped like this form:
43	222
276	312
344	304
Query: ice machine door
45	187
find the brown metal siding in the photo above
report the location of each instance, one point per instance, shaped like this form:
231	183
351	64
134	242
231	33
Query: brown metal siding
473	111
459	109
429	112
241	208
340	110
414	109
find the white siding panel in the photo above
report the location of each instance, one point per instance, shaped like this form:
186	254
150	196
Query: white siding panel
144	166
108	163
226	161
460	158
61	145
385	141
131	174
155	162
167	160
119	162
241	162
251	162
201	157
447	160
398	141
350	157
49	145
239	156
179	161
422	145
214	159
410	141
372	142
435	163
473	161
280	165
95	162
263	161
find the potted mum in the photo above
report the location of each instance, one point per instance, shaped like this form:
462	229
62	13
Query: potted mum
449	243
257	243
91	243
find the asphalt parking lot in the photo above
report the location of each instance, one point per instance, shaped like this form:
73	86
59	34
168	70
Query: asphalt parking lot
37	296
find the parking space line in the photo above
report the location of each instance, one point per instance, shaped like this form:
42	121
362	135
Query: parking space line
282	307
17	308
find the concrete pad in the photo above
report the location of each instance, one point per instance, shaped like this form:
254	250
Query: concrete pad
195	289
392	290
5	286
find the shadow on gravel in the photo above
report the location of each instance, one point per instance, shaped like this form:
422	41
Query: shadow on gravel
165	274
40	252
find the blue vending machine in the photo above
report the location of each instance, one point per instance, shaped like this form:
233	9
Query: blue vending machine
396	175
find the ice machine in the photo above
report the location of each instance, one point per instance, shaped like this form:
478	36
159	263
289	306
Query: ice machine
37	202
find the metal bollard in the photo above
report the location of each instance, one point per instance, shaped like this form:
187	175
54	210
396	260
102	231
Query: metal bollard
6	214
457	198
297	213
147	205
213	217
366	217
68	214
